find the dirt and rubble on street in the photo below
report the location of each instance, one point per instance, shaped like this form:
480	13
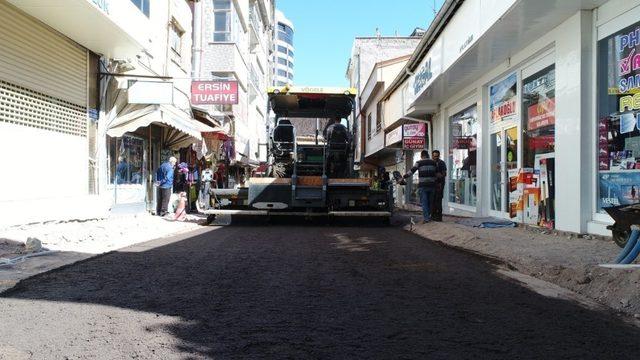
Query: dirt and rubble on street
27	250
303	292
568	260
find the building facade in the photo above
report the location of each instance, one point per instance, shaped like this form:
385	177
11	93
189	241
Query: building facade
233	42
366	52
283	54
99	112
533	107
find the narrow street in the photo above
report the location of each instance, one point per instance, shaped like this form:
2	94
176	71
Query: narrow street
298	292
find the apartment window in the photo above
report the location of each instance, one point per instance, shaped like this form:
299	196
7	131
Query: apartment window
291	64
143	5
175	37
281	83
282	49
369	126
378	117
282	73
290	53
291	76
222	20
282	61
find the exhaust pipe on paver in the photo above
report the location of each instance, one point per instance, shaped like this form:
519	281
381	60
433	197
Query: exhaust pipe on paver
632	248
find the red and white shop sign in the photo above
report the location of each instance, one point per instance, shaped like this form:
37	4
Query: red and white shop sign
414	136
214	92
542	114
414	143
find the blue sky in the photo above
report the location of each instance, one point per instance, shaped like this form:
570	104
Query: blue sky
324	31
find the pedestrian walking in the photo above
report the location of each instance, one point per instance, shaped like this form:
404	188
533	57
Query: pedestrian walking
164	180
426	169
441	174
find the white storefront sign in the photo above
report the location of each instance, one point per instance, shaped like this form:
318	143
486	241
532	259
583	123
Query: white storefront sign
426	73
393	136
150	92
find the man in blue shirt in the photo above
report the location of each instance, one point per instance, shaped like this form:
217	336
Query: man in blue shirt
164	180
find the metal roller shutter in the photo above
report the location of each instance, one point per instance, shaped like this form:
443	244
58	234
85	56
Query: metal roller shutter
43	75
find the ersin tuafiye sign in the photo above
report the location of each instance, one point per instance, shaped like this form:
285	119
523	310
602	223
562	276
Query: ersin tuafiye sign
214	92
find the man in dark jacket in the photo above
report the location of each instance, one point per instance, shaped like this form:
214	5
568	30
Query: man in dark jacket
441	174
427	170
164	180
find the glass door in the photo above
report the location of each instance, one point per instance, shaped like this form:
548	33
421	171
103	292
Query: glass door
503	157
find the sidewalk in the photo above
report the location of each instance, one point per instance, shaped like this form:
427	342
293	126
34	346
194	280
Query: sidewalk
570	261
74	241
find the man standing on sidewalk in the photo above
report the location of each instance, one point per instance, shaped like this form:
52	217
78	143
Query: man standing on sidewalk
164	179
426	169
441	174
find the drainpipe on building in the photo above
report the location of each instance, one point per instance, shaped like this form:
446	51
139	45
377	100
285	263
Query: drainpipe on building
197	40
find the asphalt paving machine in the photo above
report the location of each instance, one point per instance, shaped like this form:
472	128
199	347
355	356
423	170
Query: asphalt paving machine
310	168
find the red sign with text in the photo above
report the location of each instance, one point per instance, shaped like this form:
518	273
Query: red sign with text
542	114
214	92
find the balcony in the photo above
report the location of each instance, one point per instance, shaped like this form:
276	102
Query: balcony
87	22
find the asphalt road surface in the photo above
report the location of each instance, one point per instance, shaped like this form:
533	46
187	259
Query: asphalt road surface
298	292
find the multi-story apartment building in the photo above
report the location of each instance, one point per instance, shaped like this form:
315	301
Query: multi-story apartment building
94	94
283	54
366	52
232	41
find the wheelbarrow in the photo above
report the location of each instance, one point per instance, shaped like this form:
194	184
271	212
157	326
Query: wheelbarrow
624	216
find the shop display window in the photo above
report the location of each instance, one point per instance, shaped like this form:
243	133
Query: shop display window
463	148
126	160
618	127
539	120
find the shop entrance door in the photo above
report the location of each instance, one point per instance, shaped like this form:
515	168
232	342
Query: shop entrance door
503	157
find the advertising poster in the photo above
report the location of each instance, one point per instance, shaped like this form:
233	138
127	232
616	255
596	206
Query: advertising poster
542	114
502	99
620	188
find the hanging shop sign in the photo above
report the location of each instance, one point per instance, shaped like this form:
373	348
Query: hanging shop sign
150	92
214	92
414	136
502	99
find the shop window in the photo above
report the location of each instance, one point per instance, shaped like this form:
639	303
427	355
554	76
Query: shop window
126	160
463	149
619	118
538	105
538	124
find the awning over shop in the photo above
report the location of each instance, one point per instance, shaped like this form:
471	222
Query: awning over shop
184	128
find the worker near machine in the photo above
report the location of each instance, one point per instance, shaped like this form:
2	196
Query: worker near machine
427	170
441	174
335	130
164	180
337	137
